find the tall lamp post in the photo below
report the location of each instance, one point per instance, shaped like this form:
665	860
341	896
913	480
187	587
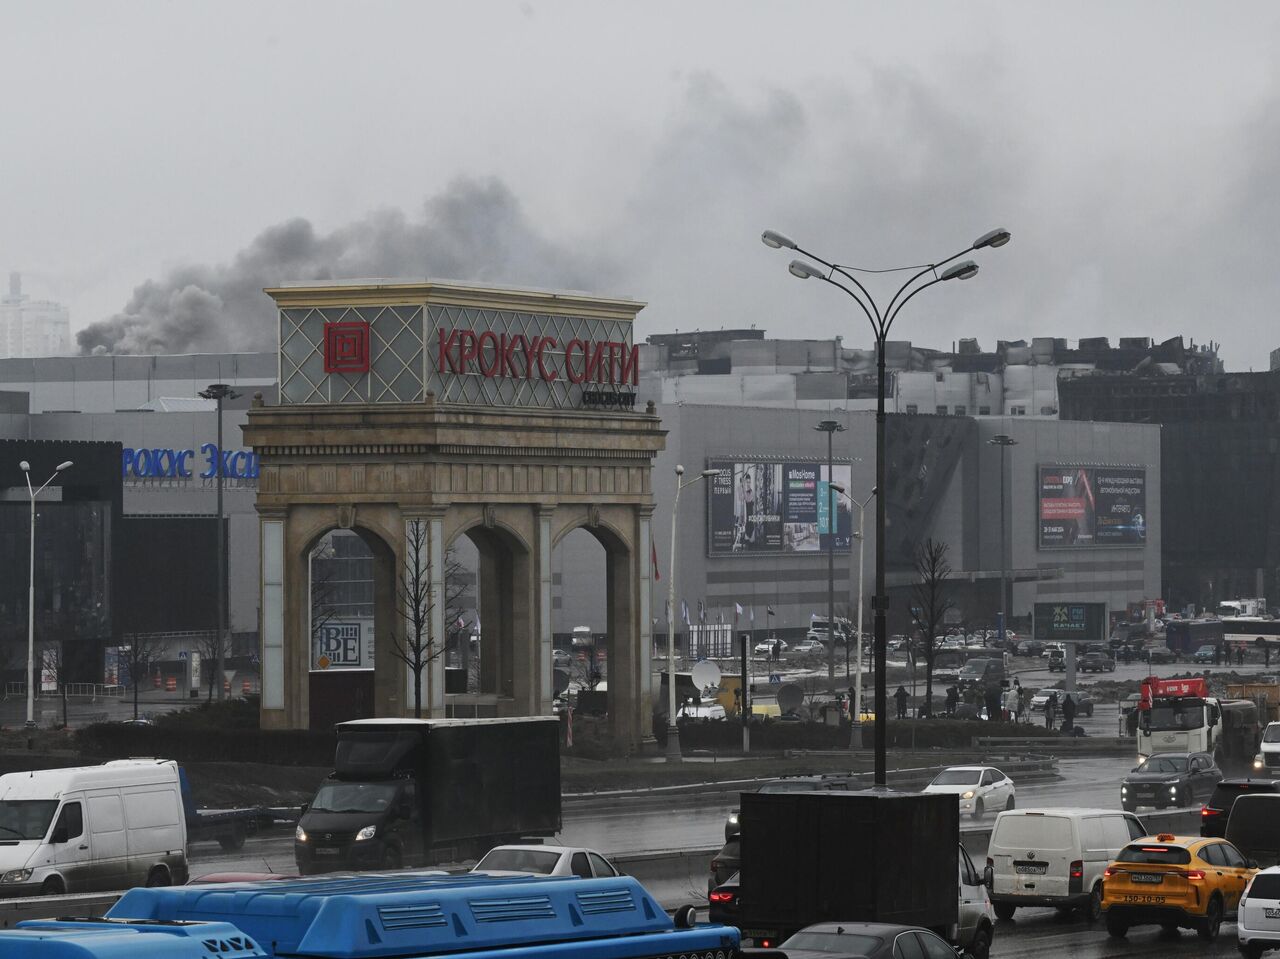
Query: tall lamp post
857	663
218	392
673	731
881	323
831	428
31	587
1003	441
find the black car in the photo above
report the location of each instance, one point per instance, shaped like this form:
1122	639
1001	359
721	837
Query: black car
1057	661
1170	779
1161	654
1030	647
1213	817
1097	663
725	863
868	940
791	784
722	902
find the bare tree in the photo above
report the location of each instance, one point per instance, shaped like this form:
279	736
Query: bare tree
931	600
207	645
418	647
53	663
139	655
323	589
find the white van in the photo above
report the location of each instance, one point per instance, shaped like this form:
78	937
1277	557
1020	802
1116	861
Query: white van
92	828
1055	857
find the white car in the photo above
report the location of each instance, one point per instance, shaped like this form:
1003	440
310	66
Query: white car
704	711
545	861
1050	647
765	648
979	788
1258	919
561	658
809	646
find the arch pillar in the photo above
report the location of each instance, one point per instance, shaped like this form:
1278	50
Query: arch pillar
544	545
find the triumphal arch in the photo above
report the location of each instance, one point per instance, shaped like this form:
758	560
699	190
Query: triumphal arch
415	413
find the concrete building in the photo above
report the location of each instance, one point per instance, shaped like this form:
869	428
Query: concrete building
32	327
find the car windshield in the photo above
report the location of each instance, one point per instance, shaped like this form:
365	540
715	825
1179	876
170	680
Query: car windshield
839	943
25	818
1272	735
1164	764
538	861
957	777
1164	855
354	797
1181	716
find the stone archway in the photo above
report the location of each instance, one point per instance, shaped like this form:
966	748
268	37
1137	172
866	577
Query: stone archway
446	429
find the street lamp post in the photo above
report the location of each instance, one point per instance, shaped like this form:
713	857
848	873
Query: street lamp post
219	392
1003	441
881	323
31	588
831	428
857	663
673	731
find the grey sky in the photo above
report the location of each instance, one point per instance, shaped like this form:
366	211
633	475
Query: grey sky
640	149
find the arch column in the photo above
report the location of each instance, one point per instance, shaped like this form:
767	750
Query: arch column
545	679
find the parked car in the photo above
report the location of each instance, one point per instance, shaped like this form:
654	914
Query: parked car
1161	654
1258	918
1175	881
545	861
978	788
1205	654
809	646
701	711
1170	779
1097	663
1055	857
1214	815
1029	647
1084	702
765	647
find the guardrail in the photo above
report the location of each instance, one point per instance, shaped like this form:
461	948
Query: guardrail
1055	744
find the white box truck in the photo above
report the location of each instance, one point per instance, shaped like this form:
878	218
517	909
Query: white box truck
92	828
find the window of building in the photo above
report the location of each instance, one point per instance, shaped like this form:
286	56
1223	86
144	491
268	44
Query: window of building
984	411
1048	411
940	410
912	408
962	411
1017	411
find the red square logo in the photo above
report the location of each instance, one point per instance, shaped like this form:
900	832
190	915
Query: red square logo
346	347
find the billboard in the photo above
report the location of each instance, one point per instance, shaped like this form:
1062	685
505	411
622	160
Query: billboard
1092	506
347	644
774	506
1070	622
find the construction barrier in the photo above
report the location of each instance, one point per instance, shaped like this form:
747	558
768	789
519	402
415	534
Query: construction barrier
171	684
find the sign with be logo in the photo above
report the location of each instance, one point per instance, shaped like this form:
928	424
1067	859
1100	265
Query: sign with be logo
341	646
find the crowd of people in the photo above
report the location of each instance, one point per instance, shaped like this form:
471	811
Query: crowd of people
1008	702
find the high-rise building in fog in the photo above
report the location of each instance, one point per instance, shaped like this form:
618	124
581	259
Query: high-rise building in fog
32	327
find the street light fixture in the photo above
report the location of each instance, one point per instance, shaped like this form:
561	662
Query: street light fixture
218	392
856	716
31	587
831	428
673	731
881	323
1003	441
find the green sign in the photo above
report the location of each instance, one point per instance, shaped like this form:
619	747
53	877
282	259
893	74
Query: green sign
1071	622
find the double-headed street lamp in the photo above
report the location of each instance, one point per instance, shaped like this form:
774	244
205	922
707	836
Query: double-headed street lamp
831	428
881	323
31	587
673	731
1003	441
856	715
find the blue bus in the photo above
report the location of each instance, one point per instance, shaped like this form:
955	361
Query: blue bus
380	916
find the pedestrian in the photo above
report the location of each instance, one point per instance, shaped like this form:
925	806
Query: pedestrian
953	697
1022	699
1050	710
901	697
1266	651
777	650
1068	713
1240	655
1010	703
991	699
1217	654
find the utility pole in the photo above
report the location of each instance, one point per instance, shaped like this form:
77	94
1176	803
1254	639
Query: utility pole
831	427
218	392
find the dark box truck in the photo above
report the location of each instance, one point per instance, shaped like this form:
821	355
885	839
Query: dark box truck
867	856
421	791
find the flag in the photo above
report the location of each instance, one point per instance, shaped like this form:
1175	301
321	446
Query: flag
702	612
653	559
476	624
751	614
737	609
719	615
684	612
768	611
461	622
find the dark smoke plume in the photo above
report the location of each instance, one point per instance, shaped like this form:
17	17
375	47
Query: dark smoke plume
474	231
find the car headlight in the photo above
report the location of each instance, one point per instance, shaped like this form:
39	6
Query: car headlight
300	834
733	819
1124	789
1173	788
16	875
368	832
1141	759
967	795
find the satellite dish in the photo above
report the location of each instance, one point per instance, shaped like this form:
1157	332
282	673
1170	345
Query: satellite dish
706	674
790	697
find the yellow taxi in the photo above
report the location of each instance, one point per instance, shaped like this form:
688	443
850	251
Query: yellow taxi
1174	881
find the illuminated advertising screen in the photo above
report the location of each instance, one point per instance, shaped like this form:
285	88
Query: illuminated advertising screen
757	507
1092	506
